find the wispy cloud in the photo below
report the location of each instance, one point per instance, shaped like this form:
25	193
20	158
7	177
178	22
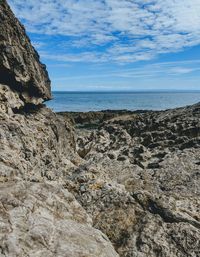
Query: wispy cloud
122	31
163	69
38	45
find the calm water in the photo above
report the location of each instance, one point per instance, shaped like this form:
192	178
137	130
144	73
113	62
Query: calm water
90	101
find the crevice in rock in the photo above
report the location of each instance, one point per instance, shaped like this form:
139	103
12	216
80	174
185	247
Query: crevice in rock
28	108
166	214
8	78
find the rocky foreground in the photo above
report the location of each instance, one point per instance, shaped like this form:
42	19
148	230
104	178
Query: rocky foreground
102	184
140	179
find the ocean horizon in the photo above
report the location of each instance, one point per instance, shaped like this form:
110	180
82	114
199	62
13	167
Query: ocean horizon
84	101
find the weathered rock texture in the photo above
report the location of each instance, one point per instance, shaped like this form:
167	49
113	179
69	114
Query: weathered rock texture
38	215
40	219
140	180
20	67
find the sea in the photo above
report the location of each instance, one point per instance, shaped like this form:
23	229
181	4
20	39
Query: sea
97	101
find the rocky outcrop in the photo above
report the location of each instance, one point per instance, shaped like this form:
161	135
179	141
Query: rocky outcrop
35	144
43	219
20	67
38	215
140	180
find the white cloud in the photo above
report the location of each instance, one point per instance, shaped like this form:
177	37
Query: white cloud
86	56
127	30
38	45
163	69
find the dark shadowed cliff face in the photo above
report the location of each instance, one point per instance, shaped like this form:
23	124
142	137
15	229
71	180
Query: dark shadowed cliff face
20	67
38	215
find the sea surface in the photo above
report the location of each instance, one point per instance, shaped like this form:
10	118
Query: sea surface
96	101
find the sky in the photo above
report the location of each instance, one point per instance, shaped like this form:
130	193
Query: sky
106	45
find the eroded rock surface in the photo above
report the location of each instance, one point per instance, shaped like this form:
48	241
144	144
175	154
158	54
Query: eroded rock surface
20	67
42	219
140	180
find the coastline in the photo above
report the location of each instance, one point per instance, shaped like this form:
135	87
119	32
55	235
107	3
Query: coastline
92	101
146	165
98	117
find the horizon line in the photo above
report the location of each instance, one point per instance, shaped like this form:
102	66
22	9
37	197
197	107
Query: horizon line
126	91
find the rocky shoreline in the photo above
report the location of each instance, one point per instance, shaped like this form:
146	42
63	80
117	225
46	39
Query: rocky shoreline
98	184
145	169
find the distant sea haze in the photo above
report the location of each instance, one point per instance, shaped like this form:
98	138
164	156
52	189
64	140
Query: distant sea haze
138	100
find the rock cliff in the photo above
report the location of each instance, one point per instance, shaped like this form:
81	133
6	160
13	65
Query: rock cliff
38	215
20	67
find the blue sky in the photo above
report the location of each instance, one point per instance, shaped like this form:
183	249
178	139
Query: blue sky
109	45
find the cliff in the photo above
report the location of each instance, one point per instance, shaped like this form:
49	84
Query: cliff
38	215
20	67
99	184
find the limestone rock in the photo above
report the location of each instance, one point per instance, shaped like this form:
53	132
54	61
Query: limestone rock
35	144
20	67
38	215
45	220
140	175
